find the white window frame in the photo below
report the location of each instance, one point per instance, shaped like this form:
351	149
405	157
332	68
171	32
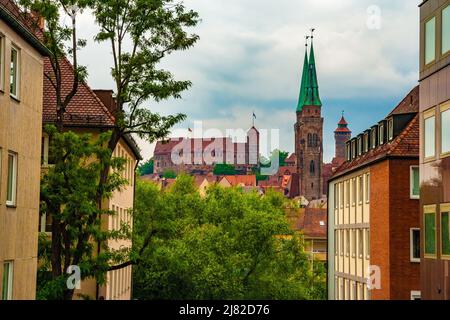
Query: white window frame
374	138
381	134
10	280
391	129
16	95
12	202
367	187
411	183
411	245
416	294
366	142
427	62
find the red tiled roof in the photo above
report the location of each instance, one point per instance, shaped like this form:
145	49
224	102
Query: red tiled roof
313	223
197	144
342	130
405	144
410	104
248	181
85	108
291	158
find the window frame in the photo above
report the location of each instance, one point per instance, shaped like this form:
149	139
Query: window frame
13	201
429	209
390	129
15	95
416	293
443	208
360	147
425	62
411	183
381	134
446	53
374	138
10	280
430	113
2	62
367	242
367	187
366	142
411	245
445	107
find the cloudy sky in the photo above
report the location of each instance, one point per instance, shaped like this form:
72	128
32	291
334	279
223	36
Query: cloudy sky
250	55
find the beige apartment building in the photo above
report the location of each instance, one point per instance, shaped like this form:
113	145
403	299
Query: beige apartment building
91	111
21	87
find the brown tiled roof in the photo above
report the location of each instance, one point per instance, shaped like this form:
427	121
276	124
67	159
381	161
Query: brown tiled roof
84	110
410	104
313	223
406	144
248	181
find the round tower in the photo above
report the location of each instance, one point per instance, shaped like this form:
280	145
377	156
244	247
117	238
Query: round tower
341	135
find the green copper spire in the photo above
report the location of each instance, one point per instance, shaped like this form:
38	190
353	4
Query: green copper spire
304	84
312	95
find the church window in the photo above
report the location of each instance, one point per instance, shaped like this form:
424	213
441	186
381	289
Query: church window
310	140
312	168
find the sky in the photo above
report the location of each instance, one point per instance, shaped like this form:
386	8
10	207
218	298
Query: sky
250	54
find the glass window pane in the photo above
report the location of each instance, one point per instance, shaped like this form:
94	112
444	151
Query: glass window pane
430	41
445	234
445	131
13	72
430	233
416	244
446	30
10	186
415	182
430	139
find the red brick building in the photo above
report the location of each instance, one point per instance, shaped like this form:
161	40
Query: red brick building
373	211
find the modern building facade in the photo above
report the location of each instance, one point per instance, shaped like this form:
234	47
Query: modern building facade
21	89
435	148
92	113
373	211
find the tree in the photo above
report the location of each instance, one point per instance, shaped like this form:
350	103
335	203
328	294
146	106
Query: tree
228	245
224	169
68	195
146	168
169	174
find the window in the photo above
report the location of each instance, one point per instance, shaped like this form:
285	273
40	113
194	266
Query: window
445	129
430	40
359	146
446	30
445	233
391	129
353	192
367	243
348	152
381	134
430	231
342	242
361	189
312	168
353	149
414	182
366	142
353	242
7	282
347	189
336	196
430	137
342	195
14	73
414	248
367	187
336	242
360	243
347	242
374	138
12	179
416	295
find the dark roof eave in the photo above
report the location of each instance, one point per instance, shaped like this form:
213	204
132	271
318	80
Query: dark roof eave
24	32
133	145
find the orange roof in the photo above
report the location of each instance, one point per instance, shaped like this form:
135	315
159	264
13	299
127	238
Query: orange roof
313	223
247	181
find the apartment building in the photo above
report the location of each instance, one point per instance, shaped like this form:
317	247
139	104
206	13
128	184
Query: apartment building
92	112
21	73
435	148
373	211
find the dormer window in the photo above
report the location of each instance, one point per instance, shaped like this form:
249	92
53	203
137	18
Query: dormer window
381	134
353	149
348	152
366	142
359	146
374	138
391	129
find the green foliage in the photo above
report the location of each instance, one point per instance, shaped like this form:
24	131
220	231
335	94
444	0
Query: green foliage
228	245
69	194
224	169
169	174
282	156
146	168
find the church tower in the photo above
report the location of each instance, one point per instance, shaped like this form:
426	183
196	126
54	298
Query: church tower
341	135
309	131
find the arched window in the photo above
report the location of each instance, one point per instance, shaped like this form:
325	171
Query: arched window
312	168
315	140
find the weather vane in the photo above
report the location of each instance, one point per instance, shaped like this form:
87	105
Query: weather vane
312	32
306	41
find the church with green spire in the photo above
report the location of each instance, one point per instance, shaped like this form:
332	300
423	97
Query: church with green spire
309	131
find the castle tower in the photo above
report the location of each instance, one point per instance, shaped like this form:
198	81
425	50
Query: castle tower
309	132
341	135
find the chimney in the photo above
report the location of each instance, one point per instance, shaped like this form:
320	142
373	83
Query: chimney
106	97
